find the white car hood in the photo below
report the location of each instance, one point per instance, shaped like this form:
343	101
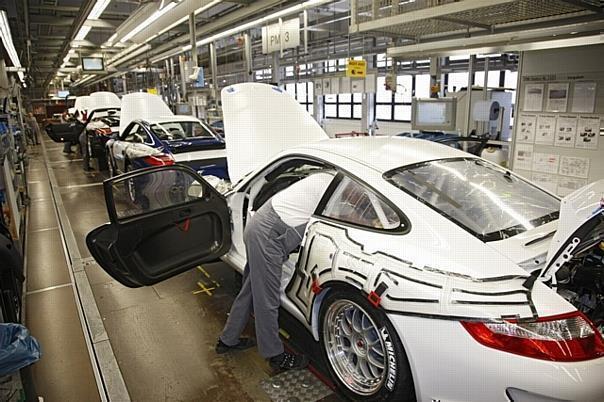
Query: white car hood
142	105
103	100
261	120
82	104
580	213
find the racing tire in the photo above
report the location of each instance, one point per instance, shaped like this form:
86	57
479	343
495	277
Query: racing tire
362	350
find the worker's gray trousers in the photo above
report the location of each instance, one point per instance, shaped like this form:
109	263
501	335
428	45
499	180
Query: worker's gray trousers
83	138
268	243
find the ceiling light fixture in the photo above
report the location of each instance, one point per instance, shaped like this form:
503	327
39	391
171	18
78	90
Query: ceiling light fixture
148	21
7	39
98	9
83	32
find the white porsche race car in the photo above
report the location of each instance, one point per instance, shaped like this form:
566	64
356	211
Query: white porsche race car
426	273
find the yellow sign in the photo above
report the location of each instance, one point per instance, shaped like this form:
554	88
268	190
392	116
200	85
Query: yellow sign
356	68
152	91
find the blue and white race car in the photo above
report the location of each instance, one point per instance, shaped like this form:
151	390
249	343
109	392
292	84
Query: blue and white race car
150	135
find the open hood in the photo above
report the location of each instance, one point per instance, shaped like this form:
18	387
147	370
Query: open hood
142	105
581	226
82	104
103	100
261	120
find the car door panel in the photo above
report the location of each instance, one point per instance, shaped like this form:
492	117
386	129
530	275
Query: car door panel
164	221
64	132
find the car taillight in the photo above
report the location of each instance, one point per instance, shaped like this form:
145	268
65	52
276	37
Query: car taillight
159	160
565	338
104	131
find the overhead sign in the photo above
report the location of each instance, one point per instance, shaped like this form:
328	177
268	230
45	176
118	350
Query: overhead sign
356	68
285	35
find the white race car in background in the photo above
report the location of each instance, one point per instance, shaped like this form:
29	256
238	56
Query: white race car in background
426	273
151	135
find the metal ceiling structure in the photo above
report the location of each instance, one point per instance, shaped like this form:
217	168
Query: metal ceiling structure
48	33
446	27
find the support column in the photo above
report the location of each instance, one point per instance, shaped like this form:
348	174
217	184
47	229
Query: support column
183	82
214	68
276	70
318	99
192	40
247	52
368	122
435	77
469	95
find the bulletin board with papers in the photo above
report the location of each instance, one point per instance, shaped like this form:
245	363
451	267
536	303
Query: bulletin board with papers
559	120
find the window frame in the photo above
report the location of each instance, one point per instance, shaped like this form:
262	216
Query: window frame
404	223
309	102
393	102
352	103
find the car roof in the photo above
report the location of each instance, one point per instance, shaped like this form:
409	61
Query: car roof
384	153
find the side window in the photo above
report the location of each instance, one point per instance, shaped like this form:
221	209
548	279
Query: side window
131	132
353	203
284	176
138	134
161	134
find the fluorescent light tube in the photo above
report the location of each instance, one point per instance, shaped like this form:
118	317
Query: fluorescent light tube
148	21
83	32
7	39
98	9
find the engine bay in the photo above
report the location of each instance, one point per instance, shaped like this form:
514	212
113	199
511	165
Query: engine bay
581	282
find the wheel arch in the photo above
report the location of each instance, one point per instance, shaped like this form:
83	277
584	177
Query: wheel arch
327	287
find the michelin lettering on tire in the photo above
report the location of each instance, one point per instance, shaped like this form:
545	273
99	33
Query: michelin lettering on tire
391	358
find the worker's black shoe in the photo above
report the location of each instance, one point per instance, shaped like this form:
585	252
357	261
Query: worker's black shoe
244	343
288	361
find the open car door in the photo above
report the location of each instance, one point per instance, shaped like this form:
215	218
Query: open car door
65	132
163	221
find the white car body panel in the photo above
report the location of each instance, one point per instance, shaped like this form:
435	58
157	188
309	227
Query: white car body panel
200	155
437	274
576	209
249	109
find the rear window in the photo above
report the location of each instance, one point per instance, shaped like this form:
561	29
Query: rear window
483	198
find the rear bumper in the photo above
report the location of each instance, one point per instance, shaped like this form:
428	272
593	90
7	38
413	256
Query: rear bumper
449	365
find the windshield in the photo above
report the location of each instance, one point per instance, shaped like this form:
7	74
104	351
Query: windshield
481	197
181	130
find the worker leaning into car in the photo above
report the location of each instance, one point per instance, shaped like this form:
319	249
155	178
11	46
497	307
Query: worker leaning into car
272	233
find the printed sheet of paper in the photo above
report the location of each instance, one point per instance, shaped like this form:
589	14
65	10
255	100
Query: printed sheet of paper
588	130
574	166
526	128
523	158
547	181
557	97
567	185
546	129
584	97
533	97
566	130
546	163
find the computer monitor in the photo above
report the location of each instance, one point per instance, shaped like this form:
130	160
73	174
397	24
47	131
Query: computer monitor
433	114
92	64
184	108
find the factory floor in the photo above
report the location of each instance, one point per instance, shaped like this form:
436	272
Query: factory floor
103	341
